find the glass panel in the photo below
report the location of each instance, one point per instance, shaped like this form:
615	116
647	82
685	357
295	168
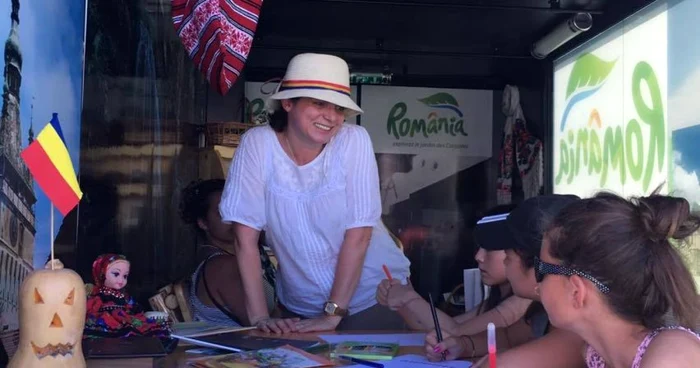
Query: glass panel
143	99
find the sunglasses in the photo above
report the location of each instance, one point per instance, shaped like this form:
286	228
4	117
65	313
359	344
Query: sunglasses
544	268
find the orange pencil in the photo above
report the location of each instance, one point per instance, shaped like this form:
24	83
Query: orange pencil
386	271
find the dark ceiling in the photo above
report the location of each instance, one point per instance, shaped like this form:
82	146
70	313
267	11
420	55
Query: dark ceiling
443	42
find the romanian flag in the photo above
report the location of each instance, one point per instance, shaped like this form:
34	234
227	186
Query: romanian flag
49	162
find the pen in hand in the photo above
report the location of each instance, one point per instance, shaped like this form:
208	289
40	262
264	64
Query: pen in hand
438	332
386	272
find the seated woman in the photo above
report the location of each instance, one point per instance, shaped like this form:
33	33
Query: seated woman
216	294
520	236
610	273
501	307
110	311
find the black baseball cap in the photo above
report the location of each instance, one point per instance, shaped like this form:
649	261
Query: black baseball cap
522	227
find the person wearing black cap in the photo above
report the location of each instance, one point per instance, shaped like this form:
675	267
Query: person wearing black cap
520	236
501	307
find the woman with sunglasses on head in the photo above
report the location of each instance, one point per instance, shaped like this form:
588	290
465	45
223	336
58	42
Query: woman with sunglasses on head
501	307
609	272
520	236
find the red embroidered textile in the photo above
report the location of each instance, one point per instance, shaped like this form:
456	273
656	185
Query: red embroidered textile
217	35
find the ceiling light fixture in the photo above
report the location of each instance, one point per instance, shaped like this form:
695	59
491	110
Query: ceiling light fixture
581	22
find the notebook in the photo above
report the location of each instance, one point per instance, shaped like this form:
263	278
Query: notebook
238	342
122	348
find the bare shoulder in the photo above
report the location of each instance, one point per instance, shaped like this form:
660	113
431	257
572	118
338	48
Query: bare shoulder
517	303
223	260
672	348
558	348
222	266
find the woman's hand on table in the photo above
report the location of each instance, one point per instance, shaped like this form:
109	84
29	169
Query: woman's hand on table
394	295
453	346
277	325
325	323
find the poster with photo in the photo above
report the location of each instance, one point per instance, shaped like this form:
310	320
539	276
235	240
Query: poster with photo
431	145
684	113
610	111
626	115
42	74
424	135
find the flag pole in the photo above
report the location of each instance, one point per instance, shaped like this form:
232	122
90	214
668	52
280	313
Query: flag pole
51	236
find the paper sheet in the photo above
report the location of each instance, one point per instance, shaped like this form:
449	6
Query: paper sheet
417	361
409	339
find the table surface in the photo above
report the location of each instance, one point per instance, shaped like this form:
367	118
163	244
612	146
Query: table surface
178	358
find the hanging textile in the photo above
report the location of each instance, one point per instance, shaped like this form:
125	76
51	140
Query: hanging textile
217	35
519	149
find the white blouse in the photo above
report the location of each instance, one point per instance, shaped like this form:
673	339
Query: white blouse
305	211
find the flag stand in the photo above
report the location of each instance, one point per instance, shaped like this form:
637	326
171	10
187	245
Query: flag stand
51	236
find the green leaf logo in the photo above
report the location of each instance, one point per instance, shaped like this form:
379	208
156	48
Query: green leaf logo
442	100
587	76
589	71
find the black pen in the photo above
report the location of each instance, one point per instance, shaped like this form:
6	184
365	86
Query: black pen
437	323
362	361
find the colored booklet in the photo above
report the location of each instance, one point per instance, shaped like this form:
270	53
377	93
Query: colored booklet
282	357
366	350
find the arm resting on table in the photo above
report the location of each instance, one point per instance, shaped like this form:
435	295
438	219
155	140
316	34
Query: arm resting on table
251	273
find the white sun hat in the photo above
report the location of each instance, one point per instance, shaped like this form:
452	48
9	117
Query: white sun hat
319	76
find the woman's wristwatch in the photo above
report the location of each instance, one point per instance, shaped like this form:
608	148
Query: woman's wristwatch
332	309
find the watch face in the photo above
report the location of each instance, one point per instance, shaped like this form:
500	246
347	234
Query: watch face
329	308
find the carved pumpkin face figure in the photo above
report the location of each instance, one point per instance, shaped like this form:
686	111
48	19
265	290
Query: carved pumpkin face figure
52	318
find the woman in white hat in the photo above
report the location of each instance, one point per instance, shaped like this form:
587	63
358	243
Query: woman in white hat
311	182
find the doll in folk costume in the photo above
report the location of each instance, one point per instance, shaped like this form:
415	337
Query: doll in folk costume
111	312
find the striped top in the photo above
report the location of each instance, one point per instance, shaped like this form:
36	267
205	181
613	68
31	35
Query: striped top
305	211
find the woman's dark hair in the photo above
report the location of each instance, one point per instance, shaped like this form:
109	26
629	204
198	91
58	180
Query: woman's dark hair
278	119
626	244
536	308
495	298
527	257
194	204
